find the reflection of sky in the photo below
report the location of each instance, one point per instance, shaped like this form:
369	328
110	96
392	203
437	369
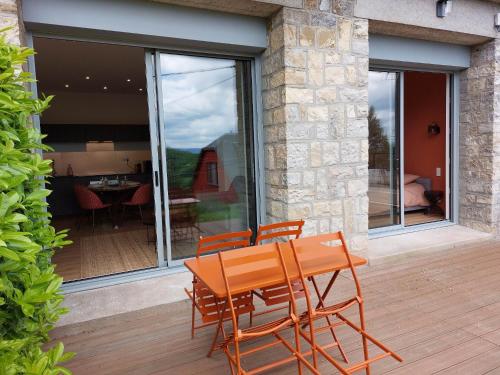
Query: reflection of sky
199	99
381	95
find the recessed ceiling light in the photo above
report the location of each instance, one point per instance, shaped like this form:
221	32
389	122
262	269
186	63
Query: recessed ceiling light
105	87
66	85
87	77
128	80
140	89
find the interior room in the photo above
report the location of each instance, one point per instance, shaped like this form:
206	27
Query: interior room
98	129
408	149
425	132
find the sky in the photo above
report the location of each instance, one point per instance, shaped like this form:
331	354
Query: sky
199	99
381	95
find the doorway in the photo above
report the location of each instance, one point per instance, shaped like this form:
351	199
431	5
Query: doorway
176	127
409	150
98	129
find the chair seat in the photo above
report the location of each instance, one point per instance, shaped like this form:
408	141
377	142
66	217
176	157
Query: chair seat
278	294
328	310
103	205
209	306
129	203
262	329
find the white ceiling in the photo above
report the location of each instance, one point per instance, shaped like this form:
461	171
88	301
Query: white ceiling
62	62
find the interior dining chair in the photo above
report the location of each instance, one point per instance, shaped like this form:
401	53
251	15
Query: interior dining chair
89	201
242	271
141	197
201	297
322	310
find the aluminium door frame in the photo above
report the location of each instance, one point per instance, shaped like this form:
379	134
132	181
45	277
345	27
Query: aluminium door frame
452	150
155	150
400	149
257	144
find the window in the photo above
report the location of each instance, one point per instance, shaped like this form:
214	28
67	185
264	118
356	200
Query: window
212	177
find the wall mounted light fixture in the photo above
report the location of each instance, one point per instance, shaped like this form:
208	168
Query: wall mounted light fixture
443	7
433	129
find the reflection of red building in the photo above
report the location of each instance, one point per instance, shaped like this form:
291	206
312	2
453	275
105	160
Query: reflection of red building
209	172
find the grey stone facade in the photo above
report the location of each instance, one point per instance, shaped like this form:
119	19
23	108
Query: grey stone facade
315	101
480	139
9	17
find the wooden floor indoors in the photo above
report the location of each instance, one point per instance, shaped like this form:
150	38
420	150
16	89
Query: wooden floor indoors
104	251
440	311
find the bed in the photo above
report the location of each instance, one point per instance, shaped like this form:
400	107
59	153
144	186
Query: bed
415	188
380	197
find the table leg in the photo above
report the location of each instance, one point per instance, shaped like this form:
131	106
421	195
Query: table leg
220	328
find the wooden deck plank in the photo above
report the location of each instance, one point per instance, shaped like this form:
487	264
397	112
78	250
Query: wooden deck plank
440	311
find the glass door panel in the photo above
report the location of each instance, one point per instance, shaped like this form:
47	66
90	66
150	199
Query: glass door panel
384	149
207	143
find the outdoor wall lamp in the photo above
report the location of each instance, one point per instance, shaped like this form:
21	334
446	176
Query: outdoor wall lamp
497	22
433	129
443	8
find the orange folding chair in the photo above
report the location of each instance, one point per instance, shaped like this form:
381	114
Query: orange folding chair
278	294
241	273
336	310
202	299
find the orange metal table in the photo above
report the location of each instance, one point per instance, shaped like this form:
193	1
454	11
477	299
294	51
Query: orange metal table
316	259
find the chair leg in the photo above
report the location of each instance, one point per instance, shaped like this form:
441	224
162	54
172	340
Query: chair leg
193	308
140	213
93	221
297	347
365	340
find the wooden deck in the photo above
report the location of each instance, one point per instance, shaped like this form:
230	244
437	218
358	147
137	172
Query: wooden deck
439	311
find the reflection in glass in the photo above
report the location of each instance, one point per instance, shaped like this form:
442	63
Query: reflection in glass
207	127
383	164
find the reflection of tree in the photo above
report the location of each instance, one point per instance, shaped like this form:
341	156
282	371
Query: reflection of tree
377	143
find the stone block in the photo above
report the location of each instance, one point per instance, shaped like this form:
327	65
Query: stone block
307	36
323	19
335	75
298	95
326	38
344	30
317	113
326	95
330	152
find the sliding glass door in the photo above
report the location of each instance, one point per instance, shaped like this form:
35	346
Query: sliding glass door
206	142
384	149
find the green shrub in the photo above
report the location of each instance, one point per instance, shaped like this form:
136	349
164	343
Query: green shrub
29	289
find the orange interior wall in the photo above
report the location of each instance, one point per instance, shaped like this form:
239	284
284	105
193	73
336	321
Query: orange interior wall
425	103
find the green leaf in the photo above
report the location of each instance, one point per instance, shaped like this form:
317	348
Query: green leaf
9	254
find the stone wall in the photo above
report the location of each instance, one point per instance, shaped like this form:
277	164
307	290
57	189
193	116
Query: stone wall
479	139
315	95
9	16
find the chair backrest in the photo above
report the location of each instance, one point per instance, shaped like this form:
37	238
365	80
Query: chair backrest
337	237
87	199
142	195
224	241
266	259
284	229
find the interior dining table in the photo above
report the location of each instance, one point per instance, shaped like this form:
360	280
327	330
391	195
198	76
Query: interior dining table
317	258
114	193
